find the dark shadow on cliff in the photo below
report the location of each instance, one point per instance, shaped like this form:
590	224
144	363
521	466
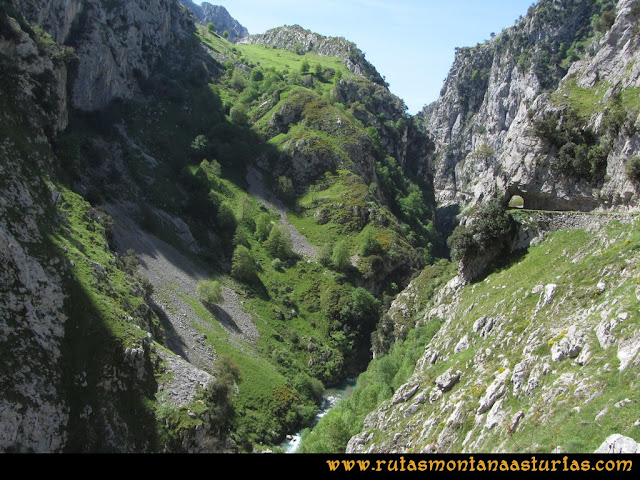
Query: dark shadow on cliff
173	341
101	387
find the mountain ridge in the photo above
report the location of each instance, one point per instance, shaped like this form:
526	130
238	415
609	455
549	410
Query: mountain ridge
220	17
300	40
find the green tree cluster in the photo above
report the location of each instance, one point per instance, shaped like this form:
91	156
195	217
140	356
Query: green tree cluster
341	256
243	266
278	243
580	154
491	227
632	169
370	244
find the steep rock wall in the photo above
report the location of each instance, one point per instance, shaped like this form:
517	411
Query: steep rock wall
484	124
117	43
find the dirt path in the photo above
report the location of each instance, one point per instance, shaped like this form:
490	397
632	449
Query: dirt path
257	188
174	277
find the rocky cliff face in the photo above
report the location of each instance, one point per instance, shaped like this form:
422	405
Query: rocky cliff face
299	40
33	413
487	122
220	17
69	382
117	43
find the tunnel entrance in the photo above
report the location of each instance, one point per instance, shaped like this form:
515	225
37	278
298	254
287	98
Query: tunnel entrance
535	200
516	201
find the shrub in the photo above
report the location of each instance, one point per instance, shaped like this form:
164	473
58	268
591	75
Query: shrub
277	264
605	21
243	267
632	169
209	292
491	227
483	152
370	244
278	243
324	254
341	256
263	227
128	262
257	75
239	115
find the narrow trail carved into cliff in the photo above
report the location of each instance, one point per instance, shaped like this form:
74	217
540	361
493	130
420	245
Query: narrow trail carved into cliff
257	188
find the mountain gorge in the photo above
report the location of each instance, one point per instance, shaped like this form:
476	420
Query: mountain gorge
506	103
201	235
203	229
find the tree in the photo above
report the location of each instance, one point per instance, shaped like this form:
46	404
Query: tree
209	291
304	68
211	27
257	75
225	34
199	143
243	266
341	256
324	254
238	80
225	219
212	169
248	214
263	227
632	169
241	237
370	244
337	77
239	115
278	243
491	227
285	188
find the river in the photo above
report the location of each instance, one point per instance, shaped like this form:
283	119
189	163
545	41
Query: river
329	400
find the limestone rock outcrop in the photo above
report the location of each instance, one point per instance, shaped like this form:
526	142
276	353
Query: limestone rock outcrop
116	43
301	41
485	123
220	17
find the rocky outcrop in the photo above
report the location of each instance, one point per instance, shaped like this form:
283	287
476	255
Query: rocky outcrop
485	123
299	40
34	72
220	17
33	410
117	43
514	360
67	382
619	444
33	414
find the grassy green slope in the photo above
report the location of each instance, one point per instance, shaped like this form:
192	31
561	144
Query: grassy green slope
186	152
571	403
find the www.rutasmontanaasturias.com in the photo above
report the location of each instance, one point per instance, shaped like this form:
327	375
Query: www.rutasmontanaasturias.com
533	464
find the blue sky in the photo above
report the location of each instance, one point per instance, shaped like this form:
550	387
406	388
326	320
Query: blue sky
411	42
